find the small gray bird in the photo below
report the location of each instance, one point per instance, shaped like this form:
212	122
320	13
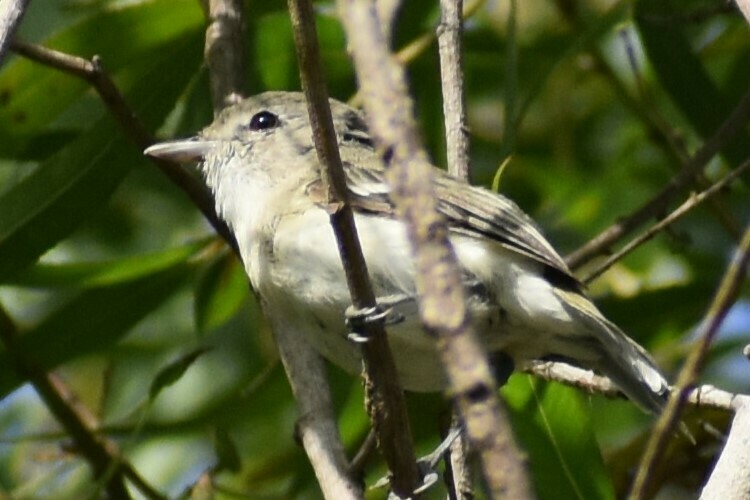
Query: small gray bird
259	161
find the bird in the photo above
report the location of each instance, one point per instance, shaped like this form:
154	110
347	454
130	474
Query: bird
260	164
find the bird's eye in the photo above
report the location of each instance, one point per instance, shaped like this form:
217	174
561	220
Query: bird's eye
264	120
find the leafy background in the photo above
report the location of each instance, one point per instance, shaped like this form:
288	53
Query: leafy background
117	284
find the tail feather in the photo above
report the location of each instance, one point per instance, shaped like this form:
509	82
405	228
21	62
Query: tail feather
633	371
619	357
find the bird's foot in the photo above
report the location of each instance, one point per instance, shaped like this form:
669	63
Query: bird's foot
427	466
358	319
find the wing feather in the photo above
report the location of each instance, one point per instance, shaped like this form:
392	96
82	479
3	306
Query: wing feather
470	210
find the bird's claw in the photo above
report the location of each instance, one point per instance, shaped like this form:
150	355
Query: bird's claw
358	319
427	466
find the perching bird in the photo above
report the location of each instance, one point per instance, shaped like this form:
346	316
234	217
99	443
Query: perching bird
259	161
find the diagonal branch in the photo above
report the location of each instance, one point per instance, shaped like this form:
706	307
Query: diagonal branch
385	398
677	214
729	130
442	308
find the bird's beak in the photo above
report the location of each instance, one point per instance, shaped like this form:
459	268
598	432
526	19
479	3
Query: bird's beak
190	150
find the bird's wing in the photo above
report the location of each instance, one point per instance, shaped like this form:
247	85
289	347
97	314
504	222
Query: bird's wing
470	210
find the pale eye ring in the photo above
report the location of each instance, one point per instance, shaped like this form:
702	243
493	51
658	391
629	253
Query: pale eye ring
264	120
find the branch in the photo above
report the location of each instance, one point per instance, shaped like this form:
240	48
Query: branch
387	11
385	398
224	52
733	125
646	109
316	426
704	396
725	296
449	34
682	210
443	311
459	471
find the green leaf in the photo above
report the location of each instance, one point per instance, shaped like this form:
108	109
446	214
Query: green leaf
34	95
582	41
221	290
174	371
63	192
46	206
226	452
684	77
96	320
96	274
555	429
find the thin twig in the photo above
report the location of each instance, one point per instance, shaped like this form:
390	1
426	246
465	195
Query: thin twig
458	477
459	468
449	34
704	396
647	111
385	398
733	125
725	297
678	213
359	460
421	43
671	141
224	52
443	312
92	72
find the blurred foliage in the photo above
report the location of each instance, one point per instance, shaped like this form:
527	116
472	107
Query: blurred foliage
117	285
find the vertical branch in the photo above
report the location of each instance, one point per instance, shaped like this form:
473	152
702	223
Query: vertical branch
443	310
725	297
224	52
450	48
385	398
449	35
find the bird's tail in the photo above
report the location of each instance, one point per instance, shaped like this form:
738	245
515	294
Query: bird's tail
633	371
620	358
